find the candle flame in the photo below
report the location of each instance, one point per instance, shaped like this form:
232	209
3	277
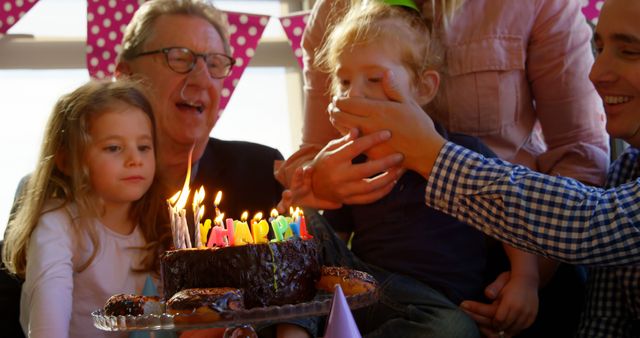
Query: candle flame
290	210
172	200
216	201
184	194
198	197
244	216
296	213
198	208
258	216
274	213
218	219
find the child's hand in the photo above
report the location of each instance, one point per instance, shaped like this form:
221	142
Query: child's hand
483	313
517	304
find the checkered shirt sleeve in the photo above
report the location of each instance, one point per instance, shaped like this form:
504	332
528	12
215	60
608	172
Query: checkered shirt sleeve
613	293
556	217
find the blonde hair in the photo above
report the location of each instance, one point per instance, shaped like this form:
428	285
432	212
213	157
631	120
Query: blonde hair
140	27
368	21
445	9
62	175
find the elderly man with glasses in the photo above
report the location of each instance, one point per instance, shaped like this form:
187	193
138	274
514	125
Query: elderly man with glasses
180	50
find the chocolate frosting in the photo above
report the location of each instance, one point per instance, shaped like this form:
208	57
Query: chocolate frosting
269	274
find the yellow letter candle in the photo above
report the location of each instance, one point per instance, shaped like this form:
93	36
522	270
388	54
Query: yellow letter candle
242	234
259	229
204	230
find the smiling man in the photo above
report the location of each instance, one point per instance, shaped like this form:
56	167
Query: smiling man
180	50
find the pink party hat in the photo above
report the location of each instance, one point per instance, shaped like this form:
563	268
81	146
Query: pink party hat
341	323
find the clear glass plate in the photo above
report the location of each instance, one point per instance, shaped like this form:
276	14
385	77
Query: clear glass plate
321	305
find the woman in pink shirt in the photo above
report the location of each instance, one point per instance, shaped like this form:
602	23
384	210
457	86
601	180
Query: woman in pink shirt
510	66
516	76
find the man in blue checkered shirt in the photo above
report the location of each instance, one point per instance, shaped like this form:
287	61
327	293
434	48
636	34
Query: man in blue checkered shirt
556	217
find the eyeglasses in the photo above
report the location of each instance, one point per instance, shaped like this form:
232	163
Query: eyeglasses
182	60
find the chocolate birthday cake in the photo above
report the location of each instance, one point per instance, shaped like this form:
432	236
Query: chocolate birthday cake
274	273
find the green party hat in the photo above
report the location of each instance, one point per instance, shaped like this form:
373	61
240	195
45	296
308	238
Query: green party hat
405	3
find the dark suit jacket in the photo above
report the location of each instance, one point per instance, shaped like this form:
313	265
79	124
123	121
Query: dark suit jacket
243	171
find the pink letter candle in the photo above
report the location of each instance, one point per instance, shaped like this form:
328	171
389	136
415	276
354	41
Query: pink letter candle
228	233
213	236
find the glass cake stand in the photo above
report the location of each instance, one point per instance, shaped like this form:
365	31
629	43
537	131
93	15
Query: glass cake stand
239	319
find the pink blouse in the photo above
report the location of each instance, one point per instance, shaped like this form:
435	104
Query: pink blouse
511	66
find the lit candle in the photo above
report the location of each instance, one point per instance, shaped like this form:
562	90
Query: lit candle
259	229
177	214
213	237
224	237
216	202
198	212
279	225
273	215
242	234
229	233
295	223
260	232
303	227
204	229
256	218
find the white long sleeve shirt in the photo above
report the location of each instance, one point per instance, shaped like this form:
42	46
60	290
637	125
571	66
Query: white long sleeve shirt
56	300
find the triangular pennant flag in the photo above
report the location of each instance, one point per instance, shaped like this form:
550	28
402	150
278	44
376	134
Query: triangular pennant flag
149	288
11	11
341	323
245	32
293	26
106	21
591	10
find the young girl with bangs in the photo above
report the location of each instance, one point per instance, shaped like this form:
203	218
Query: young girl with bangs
86	228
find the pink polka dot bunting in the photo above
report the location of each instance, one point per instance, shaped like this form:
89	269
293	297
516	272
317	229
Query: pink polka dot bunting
245	32
591	9
293	26
106	21
11	11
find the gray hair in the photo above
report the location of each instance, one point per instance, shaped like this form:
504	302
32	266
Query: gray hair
141	25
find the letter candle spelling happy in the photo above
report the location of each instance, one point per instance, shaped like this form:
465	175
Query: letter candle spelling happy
231	232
